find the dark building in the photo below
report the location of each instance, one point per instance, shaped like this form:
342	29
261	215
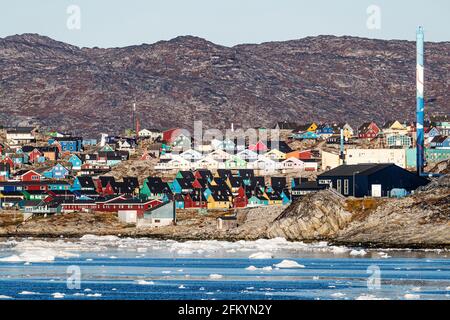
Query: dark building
375	180
305	188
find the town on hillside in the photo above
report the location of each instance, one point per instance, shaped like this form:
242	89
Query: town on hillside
146	175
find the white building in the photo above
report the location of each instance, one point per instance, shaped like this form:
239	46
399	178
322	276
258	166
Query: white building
150	133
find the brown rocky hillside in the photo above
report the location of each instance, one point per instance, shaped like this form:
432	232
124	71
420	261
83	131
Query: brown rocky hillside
174	82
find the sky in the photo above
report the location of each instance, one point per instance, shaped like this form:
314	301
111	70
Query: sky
114	23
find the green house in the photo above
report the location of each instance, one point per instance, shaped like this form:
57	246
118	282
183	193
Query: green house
235	163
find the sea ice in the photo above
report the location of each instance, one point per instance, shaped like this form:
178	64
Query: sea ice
251	268
95	295
261	255
215	276
28	293
411	296
5	297
289	264
58	295
145	282
358	252
338	295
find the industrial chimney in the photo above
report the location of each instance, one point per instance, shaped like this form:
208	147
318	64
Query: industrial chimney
420	102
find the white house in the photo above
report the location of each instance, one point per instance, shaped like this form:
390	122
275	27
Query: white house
226	144
150	133
219	155
275	154
248	155
264	164
20	135
292	164
206	163
191	155
175	163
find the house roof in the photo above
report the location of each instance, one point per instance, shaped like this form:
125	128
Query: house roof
285	125
309	185
86	182
246	173
278	183
356	169
439	139
20	129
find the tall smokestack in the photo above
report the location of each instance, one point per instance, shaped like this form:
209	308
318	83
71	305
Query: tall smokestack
420	102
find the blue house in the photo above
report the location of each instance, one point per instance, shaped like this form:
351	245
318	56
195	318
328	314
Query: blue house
56	172
306	135
256	201
76	162
89	142
70	144
325	130
58	185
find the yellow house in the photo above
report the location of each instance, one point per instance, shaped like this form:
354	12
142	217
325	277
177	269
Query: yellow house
311	127
273	198
394	127
275	154
217	201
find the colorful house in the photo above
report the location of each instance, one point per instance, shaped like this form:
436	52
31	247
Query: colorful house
56	172
275	154
76	162
368	130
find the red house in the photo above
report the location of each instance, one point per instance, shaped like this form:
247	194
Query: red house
368	130
240	200
30	176
130	204
34	155
9	161
195	201
259	147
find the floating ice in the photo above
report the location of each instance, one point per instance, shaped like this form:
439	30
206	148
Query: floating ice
411	296
144	282
289	264
251	268
58	295
215	276
95	295
358	252
5	297
338	295
28	293
261	255
369	297
181	287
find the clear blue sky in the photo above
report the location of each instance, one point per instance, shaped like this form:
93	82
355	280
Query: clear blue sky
114	23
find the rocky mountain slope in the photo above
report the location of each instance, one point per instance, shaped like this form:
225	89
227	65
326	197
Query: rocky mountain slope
174	82
422	220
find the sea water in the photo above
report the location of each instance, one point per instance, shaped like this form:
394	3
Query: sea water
125	268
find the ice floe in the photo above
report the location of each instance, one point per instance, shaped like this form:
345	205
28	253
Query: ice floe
286	264
361	252
3	297
215	276
260	255
145	282
411	296
58	295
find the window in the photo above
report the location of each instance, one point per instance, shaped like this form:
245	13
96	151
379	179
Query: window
338	186
346	186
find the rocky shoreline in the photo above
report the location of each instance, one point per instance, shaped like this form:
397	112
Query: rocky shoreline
418	221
